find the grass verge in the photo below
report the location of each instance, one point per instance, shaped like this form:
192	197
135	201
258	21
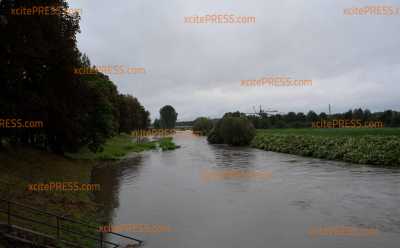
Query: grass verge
22	166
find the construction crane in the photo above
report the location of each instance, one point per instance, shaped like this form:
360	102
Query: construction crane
262	112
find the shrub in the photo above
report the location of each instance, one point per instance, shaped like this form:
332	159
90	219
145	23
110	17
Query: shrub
235	131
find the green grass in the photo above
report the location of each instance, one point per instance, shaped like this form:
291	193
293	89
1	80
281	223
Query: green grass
332	131
167	144
22	166
114	149
379	147
119	146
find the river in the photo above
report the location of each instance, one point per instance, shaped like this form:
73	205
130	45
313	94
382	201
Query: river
167	189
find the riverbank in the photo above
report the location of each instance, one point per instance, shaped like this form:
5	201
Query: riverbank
119	146
380	147
22	166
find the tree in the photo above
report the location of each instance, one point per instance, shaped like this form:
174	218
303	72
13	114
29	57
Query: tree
386	117
367	115
312	116
358	114
348	115
323	115
156	124
132	114
38	82
202	125
168	117
290	117
232	130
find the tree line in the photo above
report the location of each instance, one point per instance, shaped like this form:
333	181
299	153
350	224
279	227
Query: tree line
38	56
390	118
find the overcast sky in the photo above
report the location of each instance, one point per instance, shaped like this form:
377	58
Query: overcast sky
352	60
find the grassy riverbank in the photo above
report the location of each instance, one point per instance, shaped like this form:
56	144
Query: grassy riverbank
119	146
23	166
363	146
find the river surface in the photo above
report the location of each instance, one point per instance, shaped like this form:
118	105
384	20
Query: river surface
167	189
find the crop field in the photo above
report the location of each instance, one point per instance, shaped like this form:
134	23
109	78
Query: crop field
333	131
380	147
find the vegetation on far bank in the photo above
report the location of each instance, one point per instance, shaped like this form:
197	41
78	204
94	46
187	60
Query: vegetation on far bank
263	120
361	146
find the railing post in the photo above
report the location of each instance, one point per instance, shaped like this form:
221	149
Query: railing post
8	213
101	239
58	229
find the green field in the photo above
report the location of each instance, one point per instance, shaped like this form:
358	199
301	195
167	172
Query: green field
380	147
333	131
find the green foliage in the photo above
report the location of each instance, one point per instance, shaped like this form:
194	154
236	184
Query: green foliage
168	117
156	124
383	150
114	149
167	144
132	114
233	129
329	132
292	120
202	125
38	82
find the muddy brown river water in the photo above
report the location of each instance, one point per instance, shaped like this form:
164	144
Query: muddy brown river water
301	194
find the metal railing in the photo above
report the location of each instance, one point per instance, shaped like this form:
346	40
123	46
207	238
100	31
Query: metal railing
59	227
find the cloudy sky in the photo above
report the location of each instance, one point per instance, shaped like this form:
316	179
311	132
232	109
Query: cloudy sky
352	60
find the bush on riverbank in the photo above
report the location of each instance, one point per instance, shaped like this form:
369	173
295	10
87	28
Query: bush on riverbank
232	130
368	149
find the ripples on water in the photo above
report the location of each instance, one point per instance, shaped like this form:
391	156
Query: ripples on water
166	188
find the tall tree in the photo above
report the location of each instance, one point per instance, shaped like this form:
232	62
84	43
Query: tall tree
168	117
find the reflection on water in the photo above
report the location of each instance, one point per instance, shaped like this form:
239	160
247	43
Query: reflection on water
111	176
165	188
